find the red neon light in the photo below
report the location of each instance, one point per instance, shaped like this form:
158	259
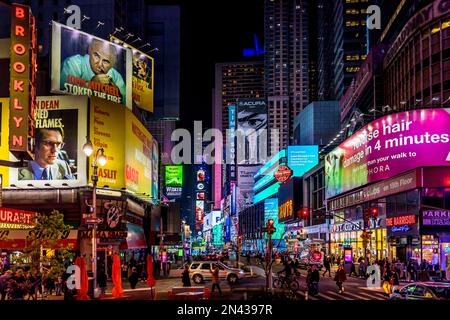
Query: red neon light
283	173
400	220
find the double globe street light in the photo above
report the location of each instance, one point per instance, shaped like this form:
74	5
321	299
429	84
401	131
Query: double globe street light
99	159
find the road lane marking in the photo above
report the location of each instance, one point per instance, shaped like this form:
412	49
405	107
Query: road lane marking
356	296
339	295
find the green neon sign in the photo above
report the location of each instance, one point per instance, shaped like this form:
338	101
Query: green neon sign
174	176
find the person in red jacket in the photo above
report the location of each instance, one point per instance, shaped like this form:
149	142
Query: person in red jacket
340	277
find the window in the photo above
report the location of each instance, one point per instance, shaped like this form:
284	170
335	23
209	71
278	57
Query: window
206	266
195	265
408	289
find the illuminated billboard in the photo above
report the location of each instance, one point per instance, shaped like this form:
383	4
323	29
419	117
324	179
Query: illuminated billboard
173	176
251	120
138	156
60	133
22	86
244	191
302	158
111	139
387	147
86	65
143	75
173	181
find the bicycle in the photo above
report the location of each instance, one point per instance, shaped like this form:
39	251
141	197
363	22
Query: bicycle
286	282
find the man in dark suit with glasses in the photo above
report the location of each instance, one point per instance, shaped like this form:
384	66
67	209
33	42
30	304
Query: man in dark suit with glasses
46	165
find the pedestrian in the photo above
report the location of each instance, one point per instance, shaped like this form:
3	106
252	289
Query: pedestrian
102	283
387	283
362	268
395	282
133	278
327	265
215	279
340	278
353	270
314	279
185	278
58	285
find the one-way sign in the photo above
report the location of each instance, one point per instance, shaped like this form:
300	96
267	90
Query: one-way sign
94	220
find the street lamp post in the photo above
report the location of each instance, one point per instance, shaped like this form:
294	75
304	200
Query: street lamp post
99	159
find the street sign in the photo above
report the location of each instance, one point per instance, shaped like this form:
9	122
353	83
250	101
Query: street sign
94	220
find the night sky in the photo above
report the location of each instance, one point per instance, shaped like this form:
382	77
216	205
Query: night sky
211	32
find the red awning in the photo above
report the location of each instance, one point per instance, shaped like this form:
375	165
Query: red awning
17	240
135	238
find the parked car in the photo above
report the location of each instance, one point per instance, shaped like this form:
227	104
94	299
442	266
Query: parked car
423	291
200	271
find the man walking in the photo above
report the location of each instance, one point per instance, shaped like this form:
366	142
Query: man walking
215	279
327	265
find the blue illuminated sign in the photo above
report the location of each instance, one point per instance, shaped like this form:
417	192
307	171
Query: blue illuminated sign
270	191
271	162
302	159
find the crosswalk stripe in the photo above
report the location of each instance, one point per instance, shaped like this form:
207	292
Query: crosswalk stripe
325	296
339	295
373	296
356	296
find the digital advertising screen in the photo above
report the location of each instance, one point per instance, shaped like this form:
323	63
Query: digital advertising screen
302	158
387	147
173	176
251	119
271	212
83	64
60	133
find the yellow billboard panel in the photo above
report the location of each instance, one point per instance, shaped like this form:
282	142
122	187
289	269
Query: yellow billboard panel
138	156
4	138
142	79
107	131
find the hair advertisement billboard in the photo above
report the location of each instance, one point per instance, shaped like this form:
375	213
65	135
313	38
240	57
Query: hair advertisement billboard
86	65
142	79
60	132
387	147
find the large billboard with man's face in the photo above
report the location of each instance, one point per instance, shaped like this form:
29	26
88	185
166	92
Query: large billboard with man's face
86	65
60	132
387	147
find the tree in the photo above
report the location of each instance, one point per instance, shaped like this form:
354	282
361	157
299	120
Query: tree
48	229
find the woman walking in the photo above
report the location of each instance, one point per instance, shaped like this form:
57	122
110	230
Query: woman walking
340	278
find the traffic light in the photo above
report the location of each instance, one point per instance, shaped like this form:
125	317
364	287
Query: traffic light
270	226
304	213
374	212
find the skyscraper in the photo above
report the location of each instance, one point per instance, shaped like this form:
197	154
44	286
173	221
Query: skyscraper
287	68
233	81
350	39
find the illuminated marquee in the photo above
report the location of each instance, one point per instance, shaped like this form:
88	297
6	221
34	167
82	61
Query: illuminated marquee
16	219
401	220
285	210
22	88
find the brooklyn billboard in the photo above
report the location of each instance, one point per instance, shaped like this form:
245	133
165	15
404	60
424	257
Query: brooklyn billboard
387	147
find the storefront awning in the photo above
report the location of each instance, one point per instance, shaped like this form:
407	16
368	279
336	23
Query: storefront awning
20	239
135	238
